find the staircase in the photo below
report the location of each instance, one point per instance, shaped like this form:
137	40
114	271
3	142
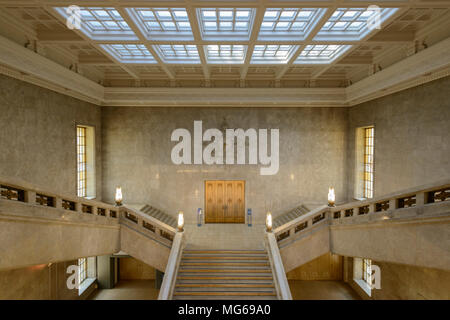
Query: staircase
160	215
225	274
290	215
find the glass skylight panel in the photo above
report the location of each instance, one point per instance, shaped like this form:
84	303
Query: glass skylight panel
100	23
289	23
226	53
226	23
129	53
162	23
321	54
272	54
178	53
351	24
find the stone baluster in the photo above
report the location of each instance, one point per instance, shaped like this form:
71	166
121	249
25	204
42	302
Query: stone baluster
30	196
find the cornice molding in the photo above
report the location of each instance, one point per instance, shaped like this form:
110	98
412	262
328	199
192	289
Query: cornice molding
428	65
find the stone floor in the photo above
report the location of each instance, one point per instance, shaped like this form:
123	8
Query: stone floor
225	236
322	290
129	290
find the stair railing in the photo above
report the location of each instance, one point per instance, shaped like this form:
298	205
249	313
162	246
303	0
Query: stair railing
148	225
173	264
276	263
432	194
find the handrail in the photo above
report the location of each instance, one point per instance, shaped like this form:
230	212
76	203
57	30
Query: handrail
151	225
279	275
173	263
412	197
28	193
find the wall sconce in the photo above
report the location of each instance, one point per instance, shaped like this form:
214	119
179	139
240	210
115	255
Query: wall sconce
199	217
180	221
331	197
269	222
118	197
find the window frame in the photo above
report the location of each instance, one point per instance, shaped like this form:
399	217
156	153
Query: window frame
90	161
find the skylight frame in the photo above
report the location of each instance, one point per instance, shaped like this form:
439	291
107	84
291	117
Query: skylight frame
154	16
307	57
222	57
232	33
164	52
89	17
326	33
145	57
272	53
292	32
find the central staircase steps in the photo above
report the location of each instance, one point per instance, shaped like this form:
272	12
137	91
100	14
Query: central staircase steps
158	214
224	274
290	215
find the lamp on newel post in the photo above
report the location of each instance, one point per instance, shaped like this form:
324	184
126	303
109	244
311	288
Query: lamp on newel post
118	197
331	197
180	221
269	222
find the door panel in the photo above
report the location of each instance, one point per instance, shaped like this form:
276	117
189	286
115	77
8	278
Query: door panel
224	201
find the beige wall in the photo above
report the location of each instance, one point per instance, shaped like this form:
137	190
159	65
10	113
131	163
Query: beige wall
133	269
137	156
403	282
411	137
37	135
41	282
326	267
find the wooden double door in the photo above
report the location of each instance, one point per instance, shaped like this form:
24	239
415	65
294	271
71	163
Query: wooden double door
224	201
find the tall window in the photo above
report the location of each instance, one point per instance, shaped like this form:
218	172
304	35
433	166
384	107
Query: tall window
368	161
85	162
367	271
81	161
82	270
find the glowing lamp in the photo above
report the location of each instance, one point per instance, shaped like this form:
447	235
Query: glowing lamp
331	197
118	197
180	221
269	222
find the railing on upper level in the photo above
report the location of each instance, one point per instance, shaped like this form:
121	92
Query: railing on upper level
149	225
425	195
36	196
27	193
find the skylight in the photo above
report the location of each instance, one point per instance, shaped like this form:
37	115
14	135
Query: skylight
178	53
272	53
162	23
225	23
102	24
224	54
289	23
129	53
321	54
350	24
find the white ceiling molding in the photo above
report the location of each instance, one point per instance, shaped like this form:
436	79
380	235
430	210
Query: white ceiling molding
427	65
225	97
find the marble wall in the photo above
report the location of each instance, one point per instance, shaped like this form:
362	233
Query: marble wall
38	135
137	156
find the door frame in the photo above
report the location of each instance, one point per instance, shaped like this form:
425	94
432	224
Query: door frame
244	199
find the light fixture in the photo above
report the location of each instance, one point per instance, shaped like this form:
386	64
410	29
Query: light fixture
331	197
269	222
199	216
118	197
180	221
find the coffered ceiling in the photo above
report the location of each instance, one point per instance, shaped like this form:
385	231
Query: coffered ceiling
226	44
